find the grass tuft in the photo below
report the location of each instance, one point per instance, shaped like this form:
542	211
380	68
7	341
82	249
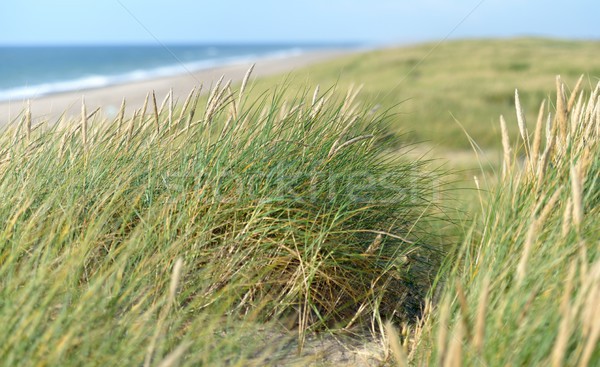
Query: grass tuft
522	290
156	240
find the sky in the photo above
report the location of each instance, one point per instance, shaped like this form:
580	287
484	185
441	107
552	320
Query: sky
67	22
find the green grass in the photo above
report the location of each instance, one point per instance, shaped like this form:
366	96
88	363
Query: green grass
523	288
128	240
240	223
430	86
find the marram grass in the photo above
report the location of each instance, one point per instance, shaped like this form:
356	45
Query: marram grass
165	237
192	235
524	288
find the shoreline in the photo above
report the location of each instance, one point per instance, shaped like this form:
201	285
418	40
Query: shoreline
50	107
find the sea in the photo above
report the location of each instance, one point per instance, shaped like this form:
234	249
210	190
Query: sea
34	71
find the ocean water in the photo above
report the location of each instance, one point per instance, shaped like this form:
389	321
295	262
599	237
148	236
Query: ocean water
30	72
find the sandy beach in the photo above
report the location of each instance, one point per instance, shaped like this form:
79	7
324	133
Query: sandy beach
109	98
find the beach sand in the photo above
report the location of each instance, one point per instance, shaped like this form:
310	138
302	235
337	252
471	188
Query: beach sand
49	108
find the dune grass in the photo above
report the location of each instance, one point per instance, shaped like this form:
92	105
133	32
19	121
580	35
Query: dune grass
524	288
433	85
140	241
222	230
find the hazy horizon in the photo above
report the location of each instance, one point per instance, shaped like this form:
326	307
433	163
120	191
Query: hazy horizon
324	43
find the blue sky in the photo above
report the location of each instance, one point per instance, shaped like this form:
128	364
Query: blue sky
372	21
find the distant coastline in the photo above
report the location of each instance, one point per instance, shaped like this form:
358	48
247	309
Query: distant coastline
33	72
51	106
